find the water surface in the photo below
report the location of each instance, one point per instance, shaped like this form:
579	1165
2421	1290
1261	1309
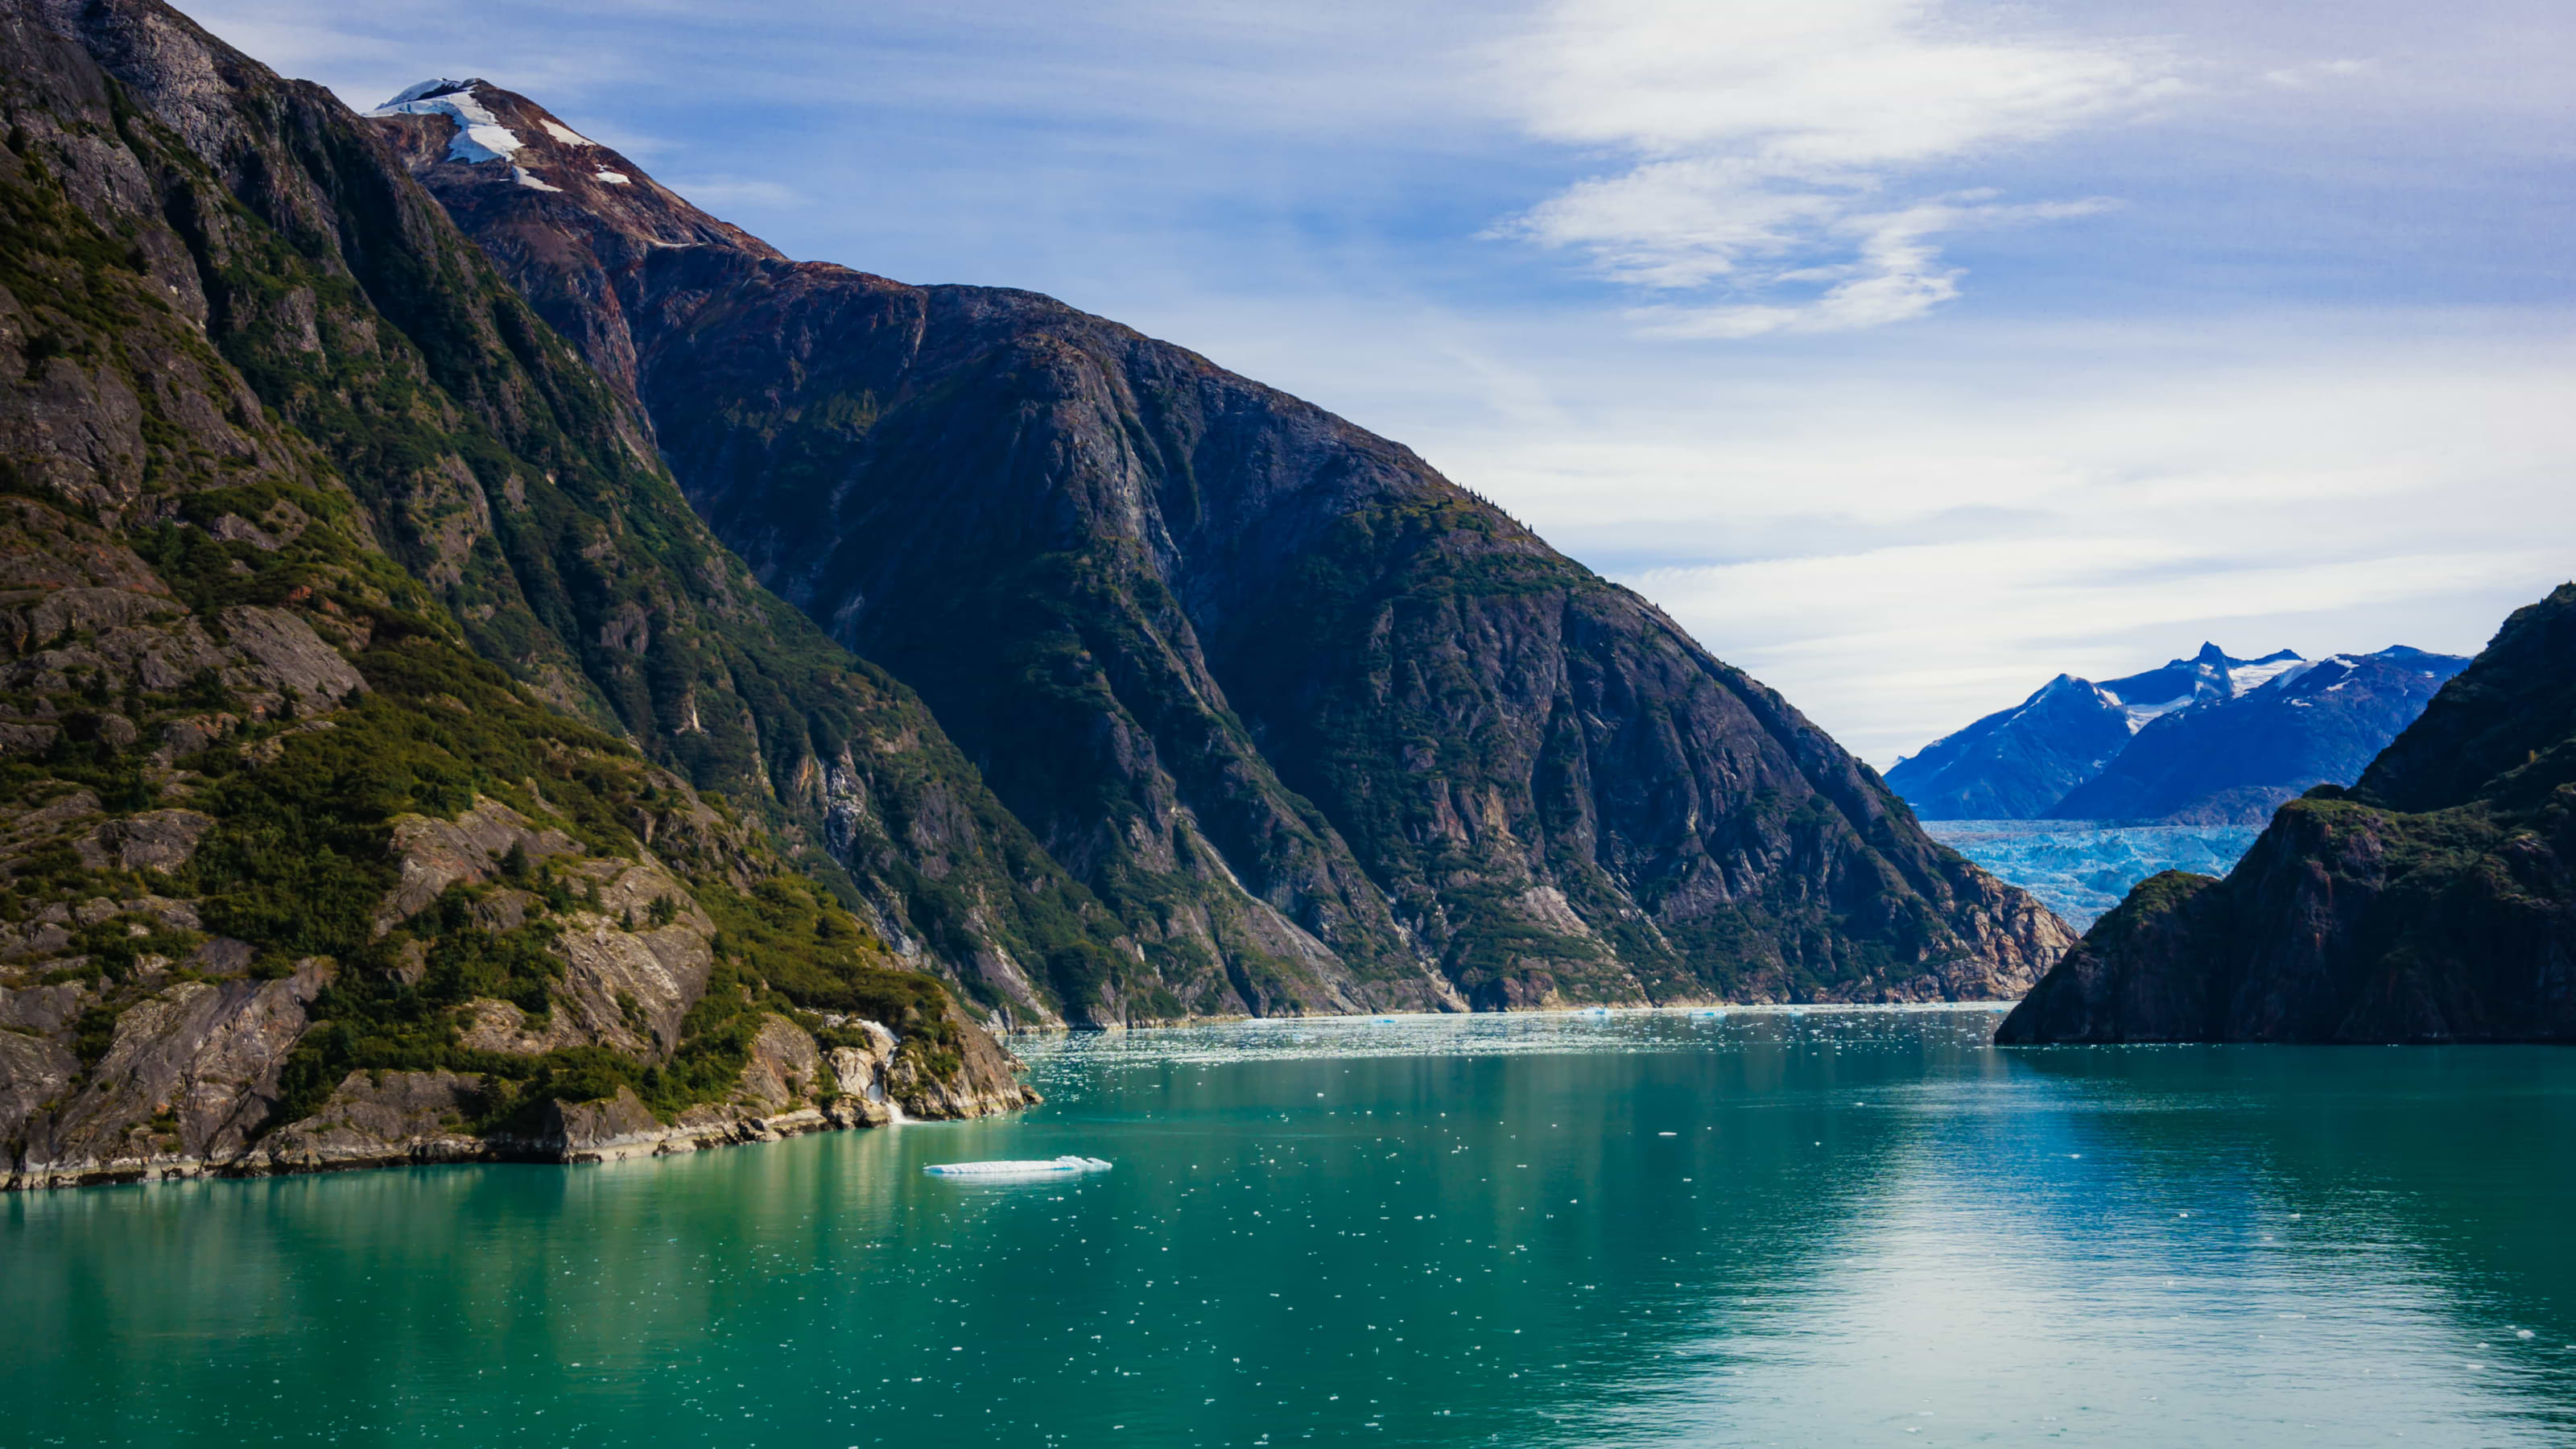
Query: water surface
1642	1228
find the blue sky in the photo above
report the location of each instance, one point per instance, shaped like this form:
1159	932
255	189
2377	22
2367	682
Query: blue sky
1909	353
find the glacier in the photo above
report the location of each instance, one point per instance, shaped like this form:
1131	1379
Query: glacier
2082	868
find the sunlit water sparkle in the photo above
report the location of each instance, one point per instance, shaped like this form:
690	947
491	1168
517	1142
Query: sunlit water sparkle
1833	1227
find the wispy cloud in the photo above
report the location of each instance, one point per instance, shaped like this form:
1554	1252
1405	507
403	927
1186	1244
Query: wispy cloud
1769	148
2300	77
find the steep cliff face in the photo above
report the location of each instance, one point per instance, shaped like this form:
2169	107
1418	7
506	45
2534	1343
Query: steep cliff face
496	467
1322	730
2434	901
292	878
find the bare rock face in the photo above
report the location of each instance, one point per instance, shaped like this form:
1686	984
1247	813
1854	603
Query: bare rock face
437	854
34	1070
187	1083
286	659
785	1069
161	840
986	1082
382	1119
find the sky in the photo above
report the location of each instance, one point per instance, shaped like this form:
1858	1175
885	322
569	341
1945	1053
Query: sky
1907	353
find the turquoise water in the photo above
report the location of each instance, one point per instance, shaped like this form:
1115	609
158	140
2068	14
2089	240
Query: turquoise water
1640	1229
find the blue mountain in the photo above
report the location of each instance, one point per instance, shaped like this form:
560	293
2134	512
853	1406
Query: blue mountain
2212	739
2232	761
2016	764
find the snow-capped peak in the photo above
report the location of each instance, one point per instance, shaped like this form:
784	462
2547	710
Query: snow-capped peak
2253	674
480	136
429	88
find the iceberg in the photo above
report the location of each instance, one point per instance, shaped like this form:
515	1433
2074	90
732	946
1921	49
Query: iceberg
1031	1167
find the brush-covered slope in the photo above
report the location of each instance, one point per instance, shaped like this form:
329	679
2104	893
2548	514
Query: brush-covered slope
495	466
292	877
2433	901
1322	730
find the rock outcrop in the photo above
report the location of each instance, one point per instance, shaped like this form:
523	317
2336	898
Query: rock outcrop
2433	901
1320	730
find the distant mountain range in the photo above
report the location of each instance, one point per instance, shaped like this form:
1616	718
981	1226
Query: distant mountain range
2209	740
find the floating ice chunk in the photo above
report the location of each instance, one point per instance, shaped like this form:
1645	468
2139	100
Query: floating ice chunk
2524	1333
1676	1134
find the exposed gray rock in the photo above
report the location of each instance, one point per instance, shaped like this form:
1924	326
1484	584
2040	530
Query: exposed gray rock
989	1081
45	1010
160	840
377	1119
285	654
34	1070
436	854
190	1077
785	1067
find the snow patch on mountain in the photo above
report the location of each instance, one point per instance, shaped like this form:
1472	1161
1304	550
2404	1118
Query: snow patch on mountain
564	133
480	136
2277	669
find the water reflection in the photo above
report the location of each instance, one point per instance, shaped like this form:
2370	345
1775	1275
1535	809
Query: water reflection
1642	1228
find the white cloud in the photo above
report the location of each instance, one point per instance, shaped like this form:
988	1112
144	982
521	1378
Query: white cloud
2300	77
1768	144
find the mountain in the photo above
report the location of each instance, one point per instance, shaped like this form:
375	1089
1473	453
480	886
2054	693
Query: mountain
2209	740
1319	729
2435	900
362	679
2015	764
496	466
2233	759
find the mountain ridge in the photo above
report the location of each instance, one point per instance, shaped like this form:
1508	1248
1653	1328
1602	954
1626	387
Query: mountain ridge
2209	739
1110	568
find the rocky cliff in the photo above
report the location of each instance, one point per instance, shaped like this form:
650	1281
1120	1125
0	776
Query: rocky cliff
498	469
294	878
2433	901
1319	729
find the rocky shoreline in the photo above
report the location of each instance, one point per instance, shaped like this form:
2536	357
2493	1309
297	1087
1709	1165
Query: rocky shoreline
417	1119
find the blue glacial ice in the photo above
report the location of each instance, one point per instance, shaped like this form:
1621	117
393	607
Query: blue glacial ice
2082	868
